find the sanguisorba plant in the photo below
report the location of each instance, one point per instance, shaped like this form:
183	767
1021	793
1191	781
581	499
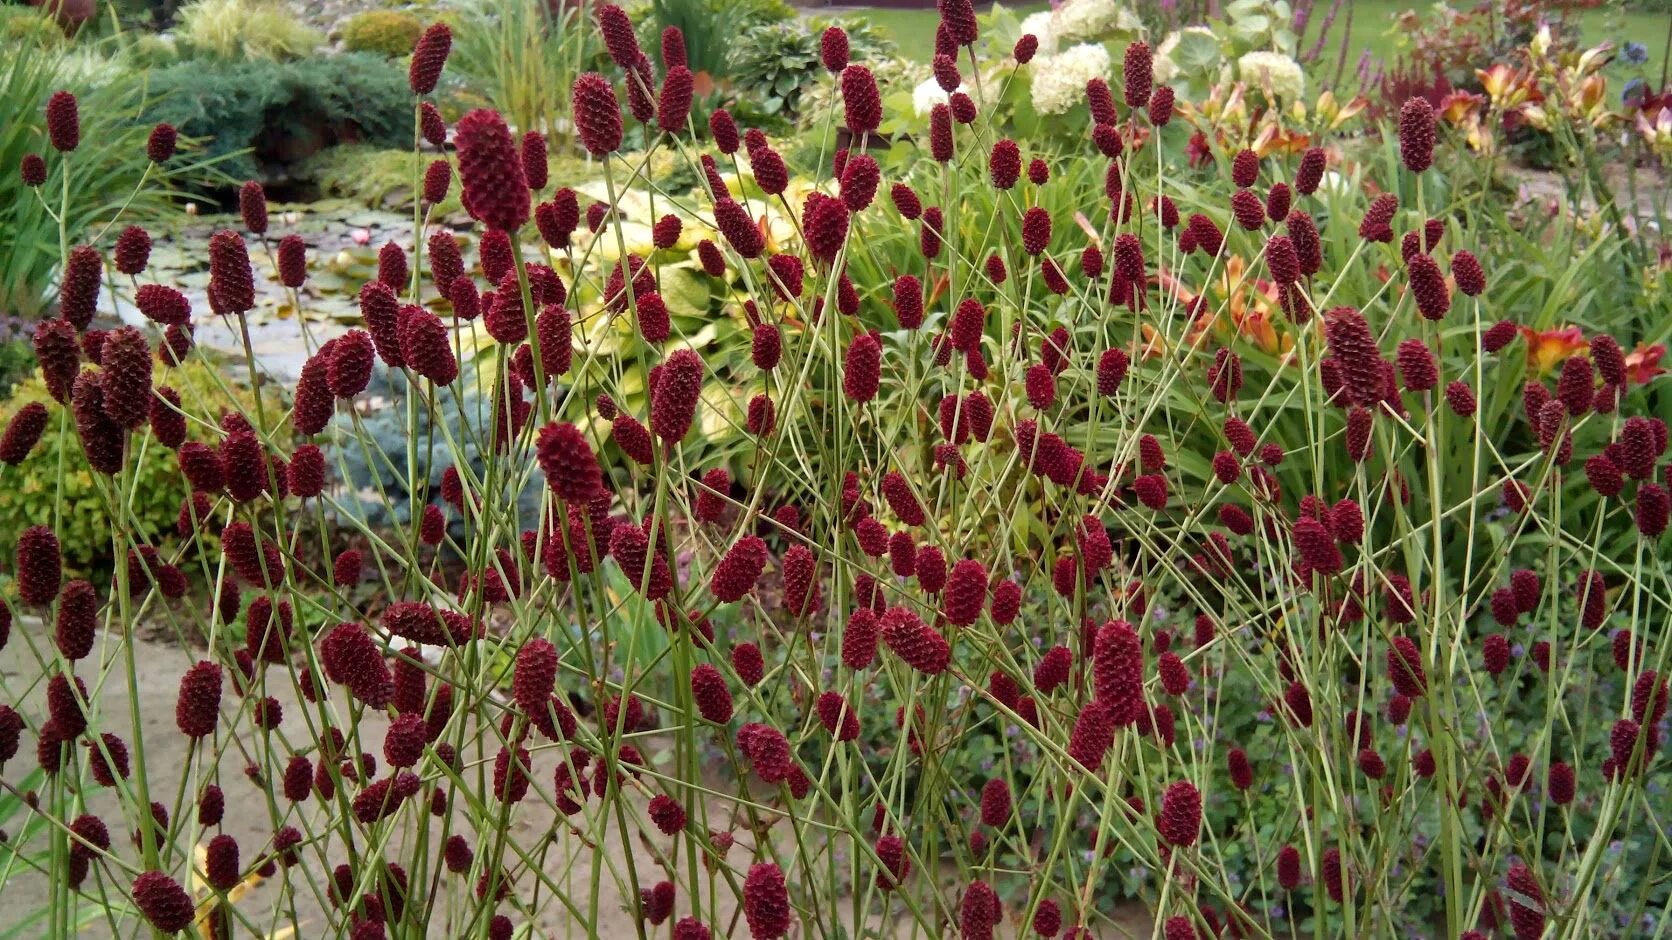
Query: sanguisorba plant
1045	485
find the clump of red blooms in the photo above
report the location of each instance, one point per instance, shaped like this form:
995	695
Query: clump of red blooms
1095	640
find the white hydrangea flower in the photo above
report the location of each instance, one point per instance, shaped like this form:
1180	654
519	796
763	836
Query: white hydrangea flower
1084	19
928	94
1165	68
1039	24
1060	80
1334	183
1275	71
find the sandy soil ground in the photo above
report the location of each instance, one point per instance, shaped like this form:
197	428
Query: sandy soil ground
564	856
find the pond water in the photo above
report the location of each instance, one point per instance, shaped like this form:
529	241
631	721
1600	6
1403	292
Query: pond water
343	239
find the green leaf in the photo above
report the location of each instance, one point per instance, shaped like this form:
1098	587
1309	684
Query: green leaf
1196	52
686	291
1250	29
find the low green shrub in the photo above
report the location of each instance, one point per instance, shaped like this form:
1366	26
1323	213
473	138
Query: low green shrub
372	176
245	30
27	28
283	110
155	488
389	33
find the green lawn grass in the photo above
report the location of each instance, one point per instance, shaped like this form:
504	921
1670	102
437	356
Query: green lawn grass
914	30
1372	27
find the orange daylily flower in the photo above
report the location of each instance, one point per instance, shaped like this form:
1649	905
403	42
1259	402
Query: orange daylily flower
936	289
1643	363
1348	111
1273	139
1239	305
1460	106
1508	88
1547	348
1155	344
1593	91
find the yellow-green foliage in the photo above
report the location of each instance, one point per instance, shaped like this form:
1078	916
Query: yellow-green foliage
372	176
149	50
28	28
154	498
245	29
388	33
382	178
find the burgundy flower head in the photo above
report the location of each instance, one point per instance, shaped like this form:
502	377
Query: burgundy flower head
39	566
494	187
1405	668
1036	230
32	170
739	569
252	206
740	230
862	367
63	122
957	18
1376	225
159	144
1353	348
1117	672
426	347
915	642
558	218
860	179
861	101
723	129
673	403
351	657
78	288
164	903
1027	45
133	250
768	751
709	691
1138	70
1416	134
1092	736
674	106
1160	109
1417	365
429	56
431	127
619	38
837	716
1467	272
197	709
825	222
1282	259
766	902
1526	905
1428	286
940	133
1311	171
231	281
126	357
23	431
293	261
1245	168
